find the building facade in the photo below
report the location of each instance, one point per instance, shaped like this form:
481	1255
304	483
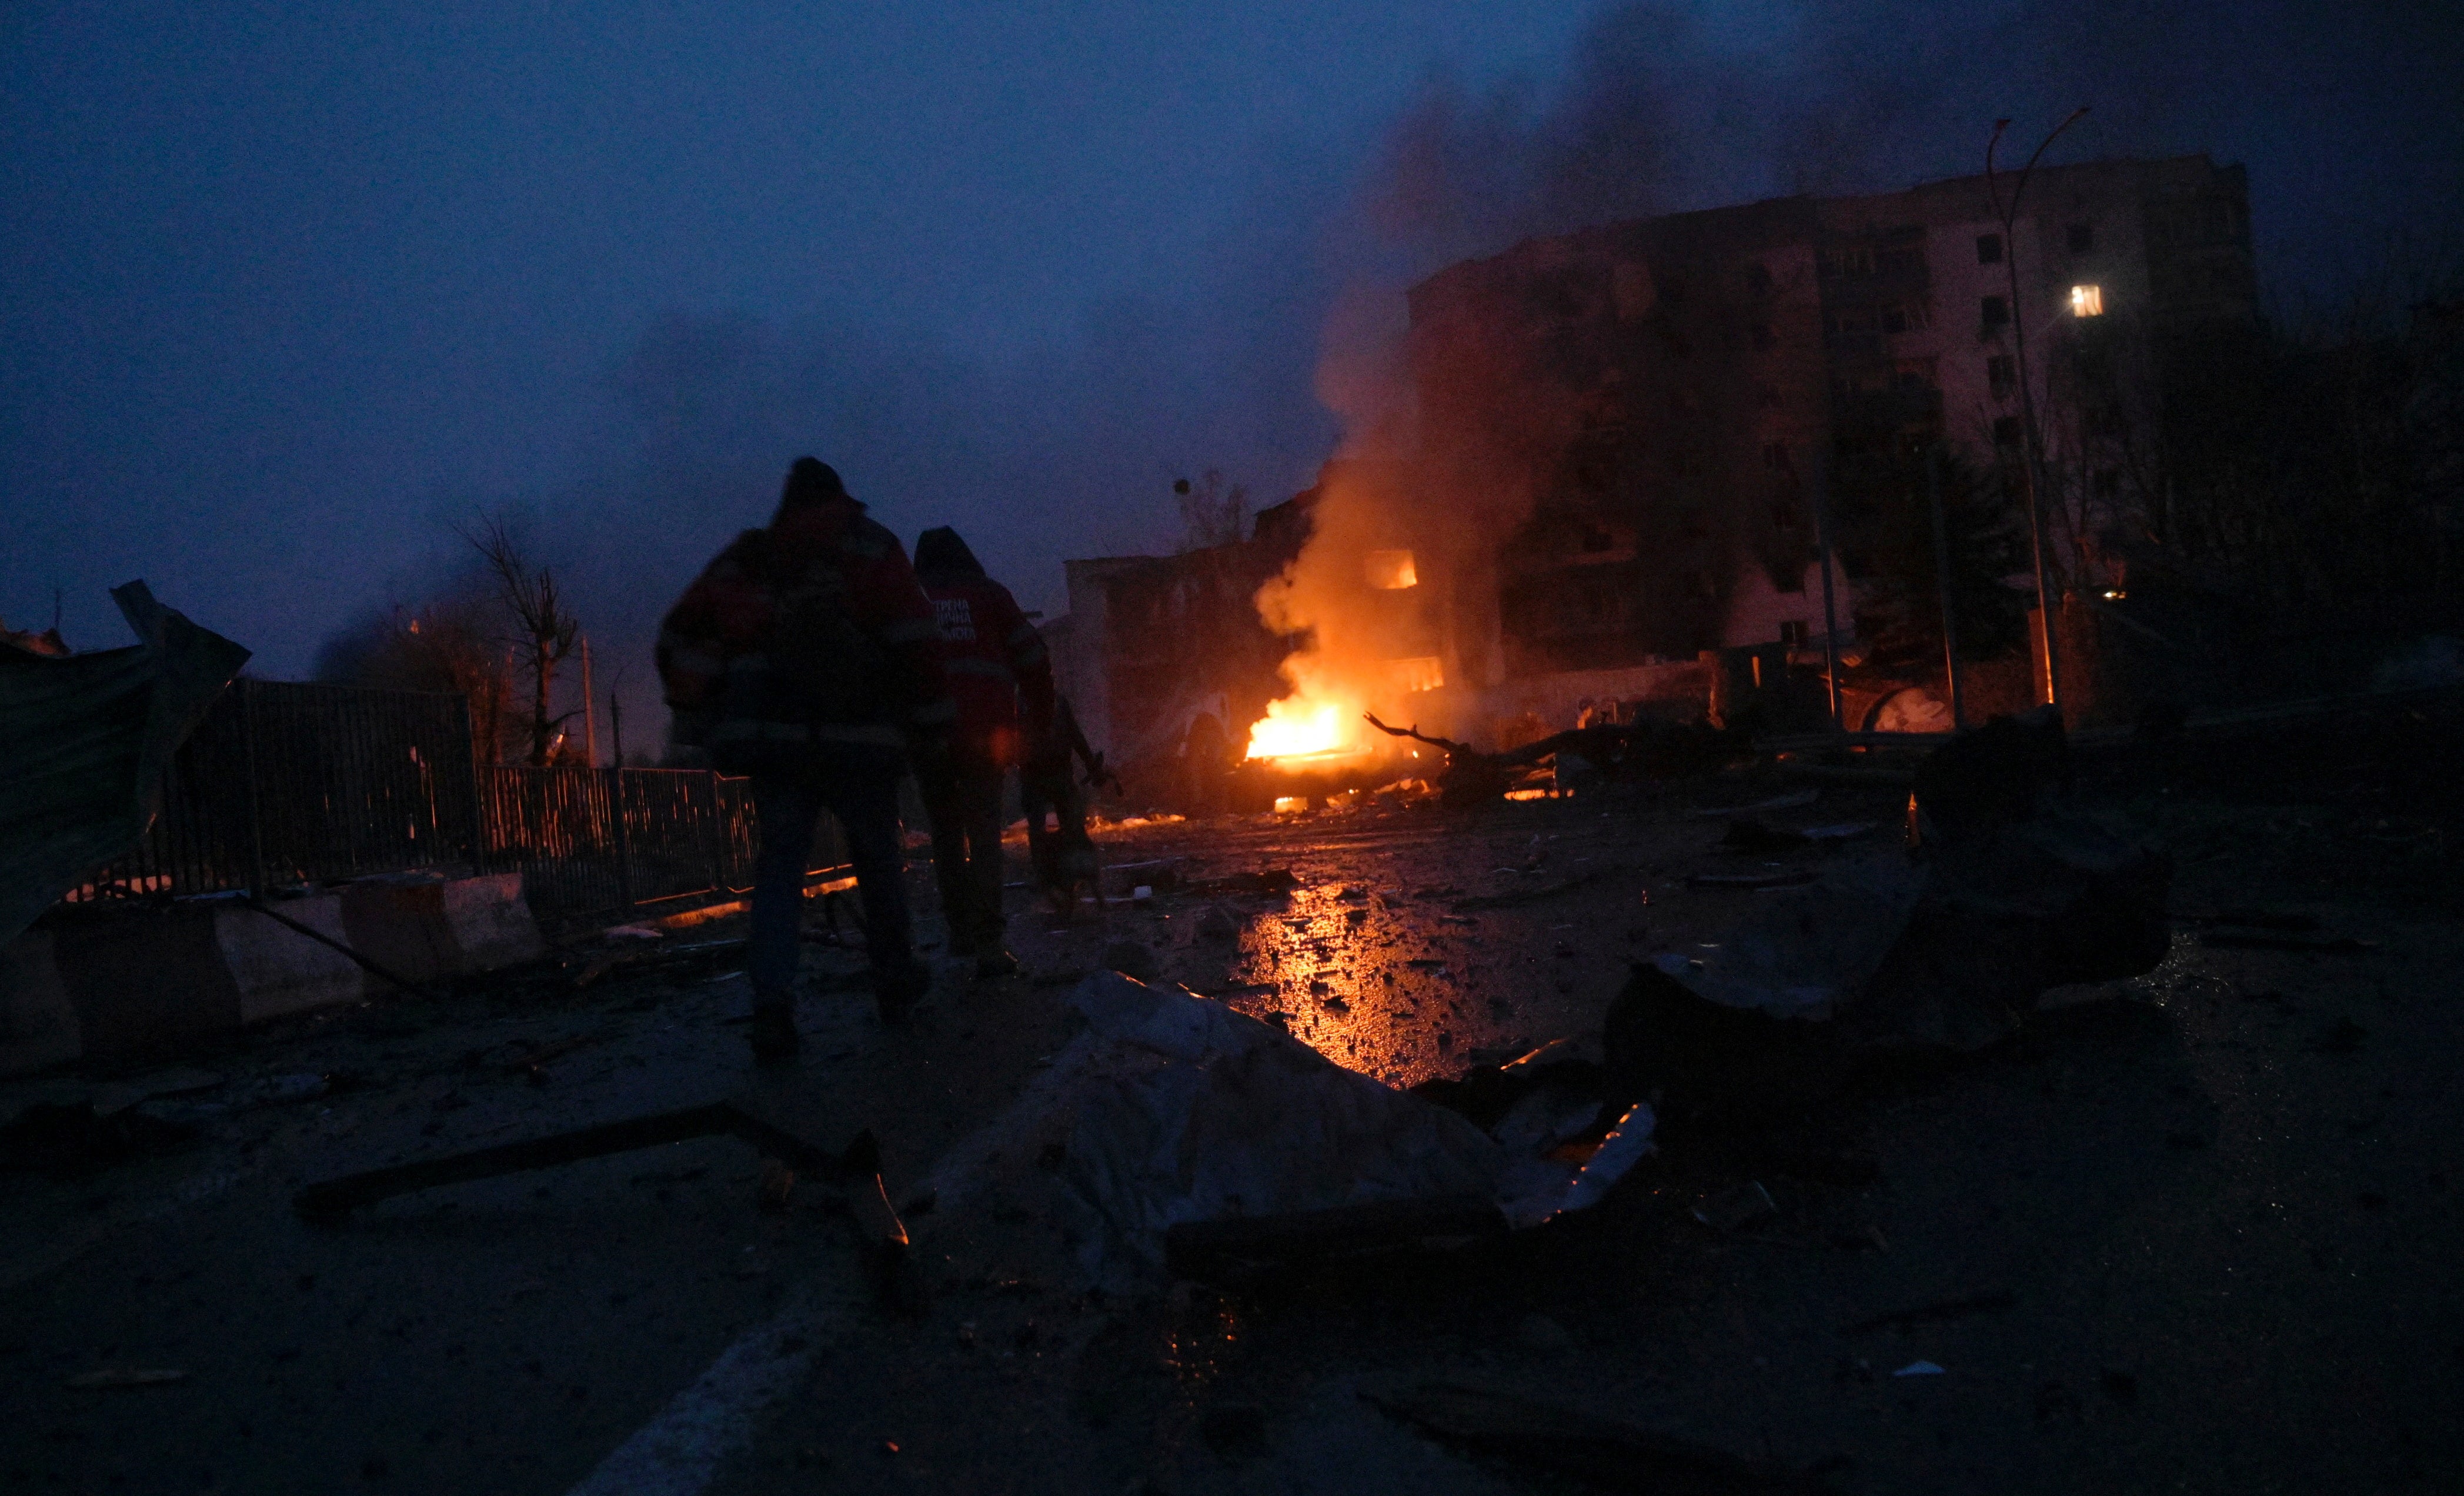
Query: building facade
1672	407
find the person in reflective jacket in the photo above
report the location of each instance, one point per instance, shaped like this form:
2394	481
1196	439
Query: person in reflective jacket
1002	680
807	656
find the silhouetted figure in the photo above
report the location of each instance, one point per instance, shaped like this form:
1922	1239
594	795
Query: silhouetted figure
1002	679
807	656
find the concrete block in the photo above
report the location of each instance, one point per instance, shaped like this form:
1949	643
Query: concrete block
400	924
38	1025
141	976
277	969
490	922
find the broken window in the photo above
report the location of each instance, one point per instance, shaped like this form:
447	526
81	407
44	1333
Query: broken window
2006	431
2087	301
1996	313
1425	673
2001	375
1989	249
1794	631
1391	571
2081	238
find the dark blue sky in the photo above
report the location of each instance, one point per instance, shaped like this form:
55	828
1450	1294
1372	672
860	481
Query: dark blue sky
288	288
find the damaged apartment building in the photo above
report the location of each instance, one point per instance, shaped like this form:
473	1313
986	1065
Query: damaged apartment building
1630	437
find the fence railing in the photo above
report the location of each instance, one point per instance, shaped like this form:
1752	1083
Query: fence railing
286	783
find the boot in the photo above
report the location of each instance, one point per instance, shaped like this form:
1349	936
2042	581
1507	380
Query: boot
774	1032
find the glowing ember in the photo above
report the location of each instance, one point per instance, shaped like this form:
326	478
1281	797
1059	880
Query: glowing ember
1293	728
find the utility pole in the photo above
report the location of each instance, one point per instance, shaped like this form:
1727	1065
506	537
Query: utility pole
2032	454
589	710
1821	465
1942	583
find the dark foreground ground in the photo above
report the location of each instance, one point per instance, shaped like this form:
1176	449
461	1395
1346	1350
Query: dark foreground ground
2195	1231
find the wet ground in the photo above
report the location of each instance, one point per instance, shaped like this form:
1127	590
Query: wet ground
2199	1239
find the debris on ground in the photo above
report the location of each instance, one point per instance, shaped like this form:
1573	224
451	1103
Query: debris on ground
1736	1208
1529	1435
1133	959
1958	1307
1215	1143
1631	751
119	1376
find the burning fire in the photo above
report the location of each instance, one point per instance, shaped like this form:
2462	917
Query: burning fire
1295	727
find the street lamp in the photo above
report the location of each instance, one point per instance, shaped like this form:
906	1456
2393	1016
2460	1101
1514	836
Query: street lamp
2032	455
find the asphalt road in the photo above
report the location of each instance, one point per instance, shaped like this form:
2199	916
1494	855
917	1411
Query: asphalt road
2206	1232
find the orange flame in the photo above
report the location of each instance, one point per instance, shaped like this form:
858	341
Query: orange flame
1300	725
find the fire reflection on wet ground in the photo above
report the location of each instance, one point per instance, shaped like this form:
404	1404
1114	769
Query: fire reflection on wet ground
1413	943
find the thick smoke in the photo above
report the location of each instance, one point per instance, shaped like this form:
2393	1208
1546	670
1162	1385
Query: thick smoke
1667	108
1657	107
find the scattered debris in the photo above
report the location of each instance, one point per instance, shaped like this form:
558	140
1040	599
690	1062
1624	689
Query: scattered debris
118	1376
1790	801
1529	1435
63	1139
1737	1208
1955	1308
1753	882
1133	959
2323	945
1522	896
1644	750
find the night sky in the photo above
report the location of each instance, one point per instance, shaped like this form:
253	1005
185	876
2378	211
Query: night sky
285	290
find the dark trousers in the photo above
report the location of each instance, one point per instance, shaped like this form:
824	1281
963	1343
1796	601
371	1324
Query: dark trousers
966	815
1042	790
859	785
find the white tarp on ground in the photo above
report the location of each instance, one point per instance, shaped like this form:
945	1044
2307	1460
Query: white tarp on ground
1186	1111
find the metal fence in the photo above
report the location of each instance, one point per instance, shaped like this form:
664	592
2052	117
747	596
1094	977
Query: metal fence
286	783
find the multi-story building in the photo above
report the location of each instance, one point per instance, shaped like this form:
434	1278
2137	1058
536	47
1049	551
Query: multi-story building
1630	437
1662	402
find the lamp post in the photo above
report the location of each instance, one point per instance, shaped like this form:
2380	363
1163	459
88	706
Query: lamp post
2031	454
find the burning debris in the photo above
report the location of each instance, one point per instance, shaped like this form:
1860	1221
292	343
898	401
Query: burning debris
1628	752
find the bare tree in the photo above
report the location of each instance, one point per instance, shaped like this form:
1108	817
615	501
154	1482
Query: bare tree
546	632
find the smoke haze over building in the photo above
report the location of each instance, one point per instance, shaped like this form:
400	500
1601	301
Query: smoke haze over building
284	295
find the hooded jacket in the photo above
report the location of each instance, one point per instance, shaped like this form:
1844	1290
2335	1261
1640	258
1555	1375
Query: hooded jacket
995	658
812	630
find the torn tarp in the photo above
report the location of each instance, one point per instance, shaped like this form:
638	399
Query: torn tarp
1185	1112
85	739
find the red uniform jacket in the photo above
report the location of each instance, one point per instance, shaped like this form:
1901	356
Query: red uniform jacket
996	664
734	653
